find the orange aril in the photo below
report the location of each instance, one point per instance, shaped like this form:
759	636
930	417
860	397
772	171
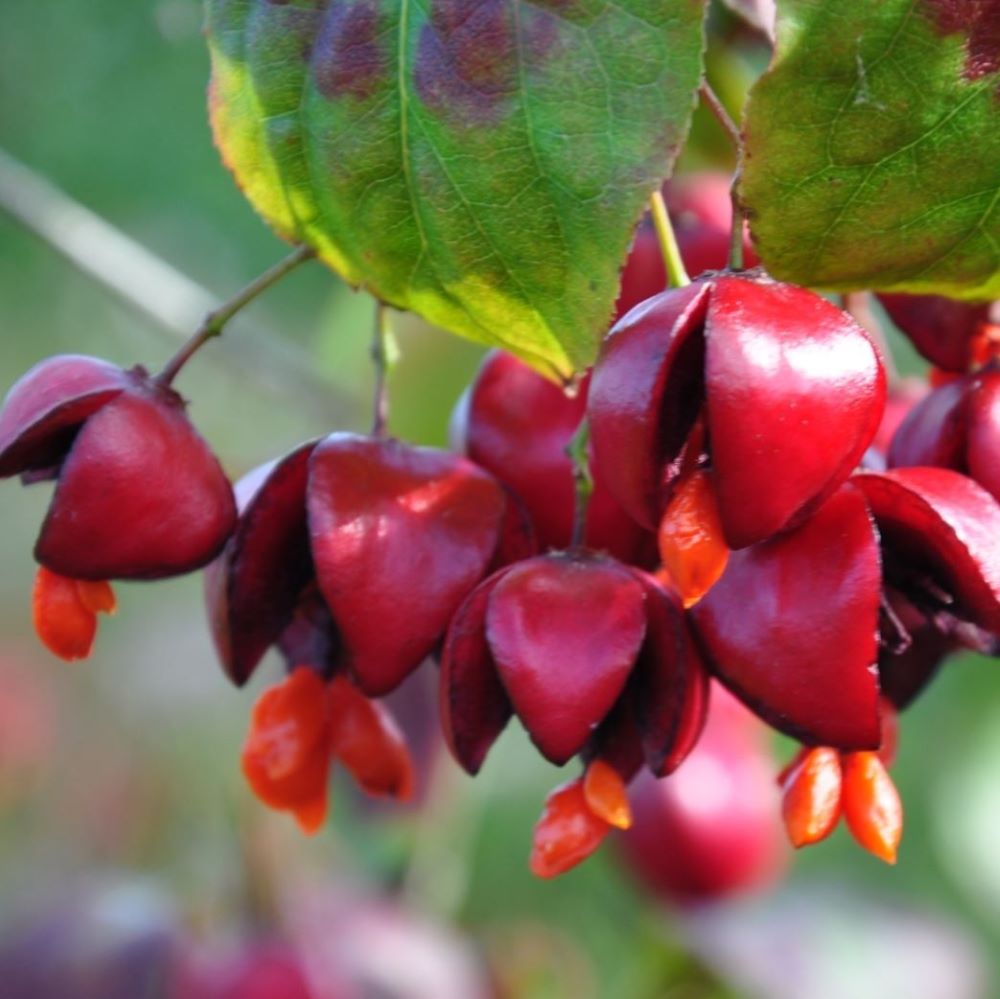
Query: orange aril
690	538
65	612
567	832
606	794
810	806
366	739
872	807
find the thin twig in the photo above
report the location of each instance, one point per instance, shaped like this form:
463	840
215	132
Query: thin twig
718	109
380	359
578	452
144	281
736	226
215	322
677	275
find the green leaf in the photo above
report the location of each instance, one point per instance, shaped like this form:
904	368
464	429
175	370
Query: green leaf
873	147
481	162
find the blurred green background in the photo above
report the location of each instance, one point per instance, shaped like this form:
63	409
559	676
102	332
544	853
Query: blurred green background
123	771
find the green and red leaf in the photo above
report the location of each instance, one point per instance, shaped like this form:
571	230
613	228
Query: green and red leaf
873	147
480	162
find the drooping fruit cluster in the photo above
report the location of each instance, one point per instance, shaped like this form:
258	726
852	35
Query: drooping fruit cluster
707	503
138	493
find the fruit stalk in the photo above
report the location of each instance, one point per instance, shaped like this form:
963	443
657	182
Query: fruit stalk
718	109
677	275
215	322
380	359
578	451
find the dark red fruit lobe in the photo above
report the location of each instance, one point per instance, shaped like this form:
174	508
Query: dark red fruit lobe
792	390
46	406
956	426
353	554
795	392
565	631
791	627
399	537
934	432
646	391
474	705
670	683
939	525
944	331
252	589
139	495
517	425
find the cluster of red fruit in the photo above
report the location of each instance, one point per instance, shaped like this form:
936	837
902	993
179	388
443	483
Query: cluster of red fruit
727	517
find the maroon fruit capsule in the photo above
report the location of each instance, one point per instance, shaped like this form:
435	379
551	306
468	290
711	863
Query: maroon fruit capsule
957	426
788	388
138	493
953	336
902	398
517	425
352	553
591	656
797	625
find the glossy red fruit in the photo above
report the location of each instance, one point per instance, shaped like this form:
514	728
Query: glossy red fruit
712	829
952	335
353	553
670	685
792	626
897	568
956	426
701	214
570	642
940	535
139	495
517	425
902	398
790	388
565	633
